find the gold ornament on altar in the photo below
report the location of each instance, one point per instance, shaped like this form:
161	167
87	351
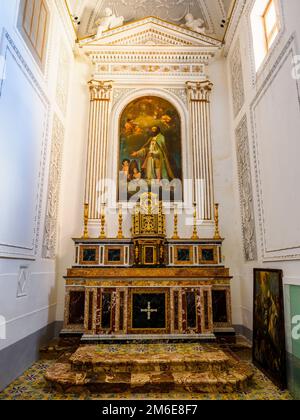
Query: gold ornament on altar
175	235
102	224
148	217
149	203
86	221
149	231
217	230
120	232
195	236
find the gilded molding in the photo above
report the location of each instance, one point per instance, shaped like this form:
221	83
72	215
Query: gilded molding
100	90
199	91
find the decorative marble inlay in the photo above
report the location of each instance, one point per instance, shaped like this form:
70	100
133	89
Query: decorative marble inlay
246	191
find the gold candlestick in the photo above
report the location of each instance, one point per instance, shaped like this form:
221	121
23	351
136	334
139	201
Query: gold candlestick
102	224
175	235
86	221
217	231
120	232
195	232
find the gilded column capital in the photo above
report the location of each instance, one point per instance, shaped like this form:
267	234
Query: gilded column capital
100	90
199	91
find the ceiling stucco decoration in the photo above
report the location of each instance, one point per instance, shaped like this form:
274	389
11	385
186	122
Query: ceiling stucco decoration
127	51
173	11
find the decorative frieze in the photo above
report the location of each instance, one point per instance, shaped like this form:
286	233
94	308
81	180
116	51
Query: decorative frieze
50	233
237	80
150	68
246	191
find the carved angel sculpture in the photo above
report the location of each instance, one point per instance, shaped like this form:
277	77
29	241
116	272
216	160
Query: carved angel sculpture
108	21
196	25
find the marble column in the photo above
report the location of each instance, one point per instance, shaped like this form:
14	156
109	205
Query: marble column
100	102
199	102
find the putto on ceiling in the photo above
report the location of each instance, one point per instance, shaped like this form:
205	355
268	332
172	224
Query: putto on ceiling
208	17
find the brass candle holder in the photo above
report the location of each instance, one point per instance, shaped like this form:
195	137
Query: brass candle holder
175	235
195	231
86	221
217	230
120	231
102	224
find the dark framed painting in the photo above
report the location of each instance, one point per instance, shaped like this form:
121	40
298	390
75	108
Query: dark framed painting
150	150
269	353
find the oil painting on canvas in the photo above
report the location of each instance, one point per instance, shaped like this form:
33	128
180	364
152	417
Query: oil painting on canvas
150	154
268	325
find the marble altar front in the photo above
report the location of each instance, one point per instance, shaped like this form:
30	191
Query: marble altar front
119	290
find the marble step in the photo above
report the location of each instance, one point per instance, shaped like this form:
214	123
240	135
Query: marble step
148	358
64	379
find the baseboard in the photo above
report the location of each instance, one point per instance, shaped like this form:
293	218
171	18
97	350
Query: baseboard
242	330
18	357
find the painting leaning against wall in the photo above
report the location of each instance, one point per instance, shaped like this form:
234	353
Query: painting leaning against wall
150	155
269	353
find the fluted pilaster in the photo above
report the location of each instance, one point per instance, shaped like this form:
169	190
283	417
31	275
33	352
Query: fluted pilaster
199	102
100	94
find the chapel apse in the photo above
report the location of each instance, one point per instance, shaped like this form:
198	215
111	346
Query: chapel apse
150	149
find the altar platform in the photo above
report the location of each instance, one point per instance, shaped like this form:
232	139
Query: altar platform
150	368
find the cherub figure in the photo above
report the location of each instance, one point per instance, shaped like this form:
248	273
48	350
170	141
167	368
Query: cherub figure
108	21
196	25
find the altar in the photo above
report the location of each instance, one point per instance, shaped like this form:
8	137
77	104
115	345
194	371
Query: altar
149	264
118	290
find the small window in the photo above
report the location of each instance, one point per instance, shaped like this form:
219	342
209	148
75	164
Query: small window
265	25
33	23
271	25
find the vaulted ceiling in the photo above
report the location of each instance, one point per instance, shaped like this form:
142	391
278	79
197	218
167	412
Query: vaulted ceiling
212	12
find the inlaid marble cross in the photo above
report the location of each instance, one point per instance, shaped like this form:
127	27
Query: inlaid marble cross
149	311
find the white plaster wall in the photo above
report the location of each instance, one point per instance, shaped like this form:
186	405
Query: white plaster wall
275	128
224	181
73	177
37	308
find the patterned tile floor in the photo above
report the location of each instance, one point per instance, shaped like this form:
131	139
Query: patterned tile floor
32	386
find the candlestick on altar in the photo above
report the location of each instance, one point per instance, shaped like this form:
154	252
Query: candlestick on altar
86	221
175	235
120	232
217	230
195	232
102	224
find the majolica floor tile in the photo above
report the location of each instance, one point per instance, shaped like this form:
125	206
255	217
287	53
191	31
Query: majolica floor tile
32	385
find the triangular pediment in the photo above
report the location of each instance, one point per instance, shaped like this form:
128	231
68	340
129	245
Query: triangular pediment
151	31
